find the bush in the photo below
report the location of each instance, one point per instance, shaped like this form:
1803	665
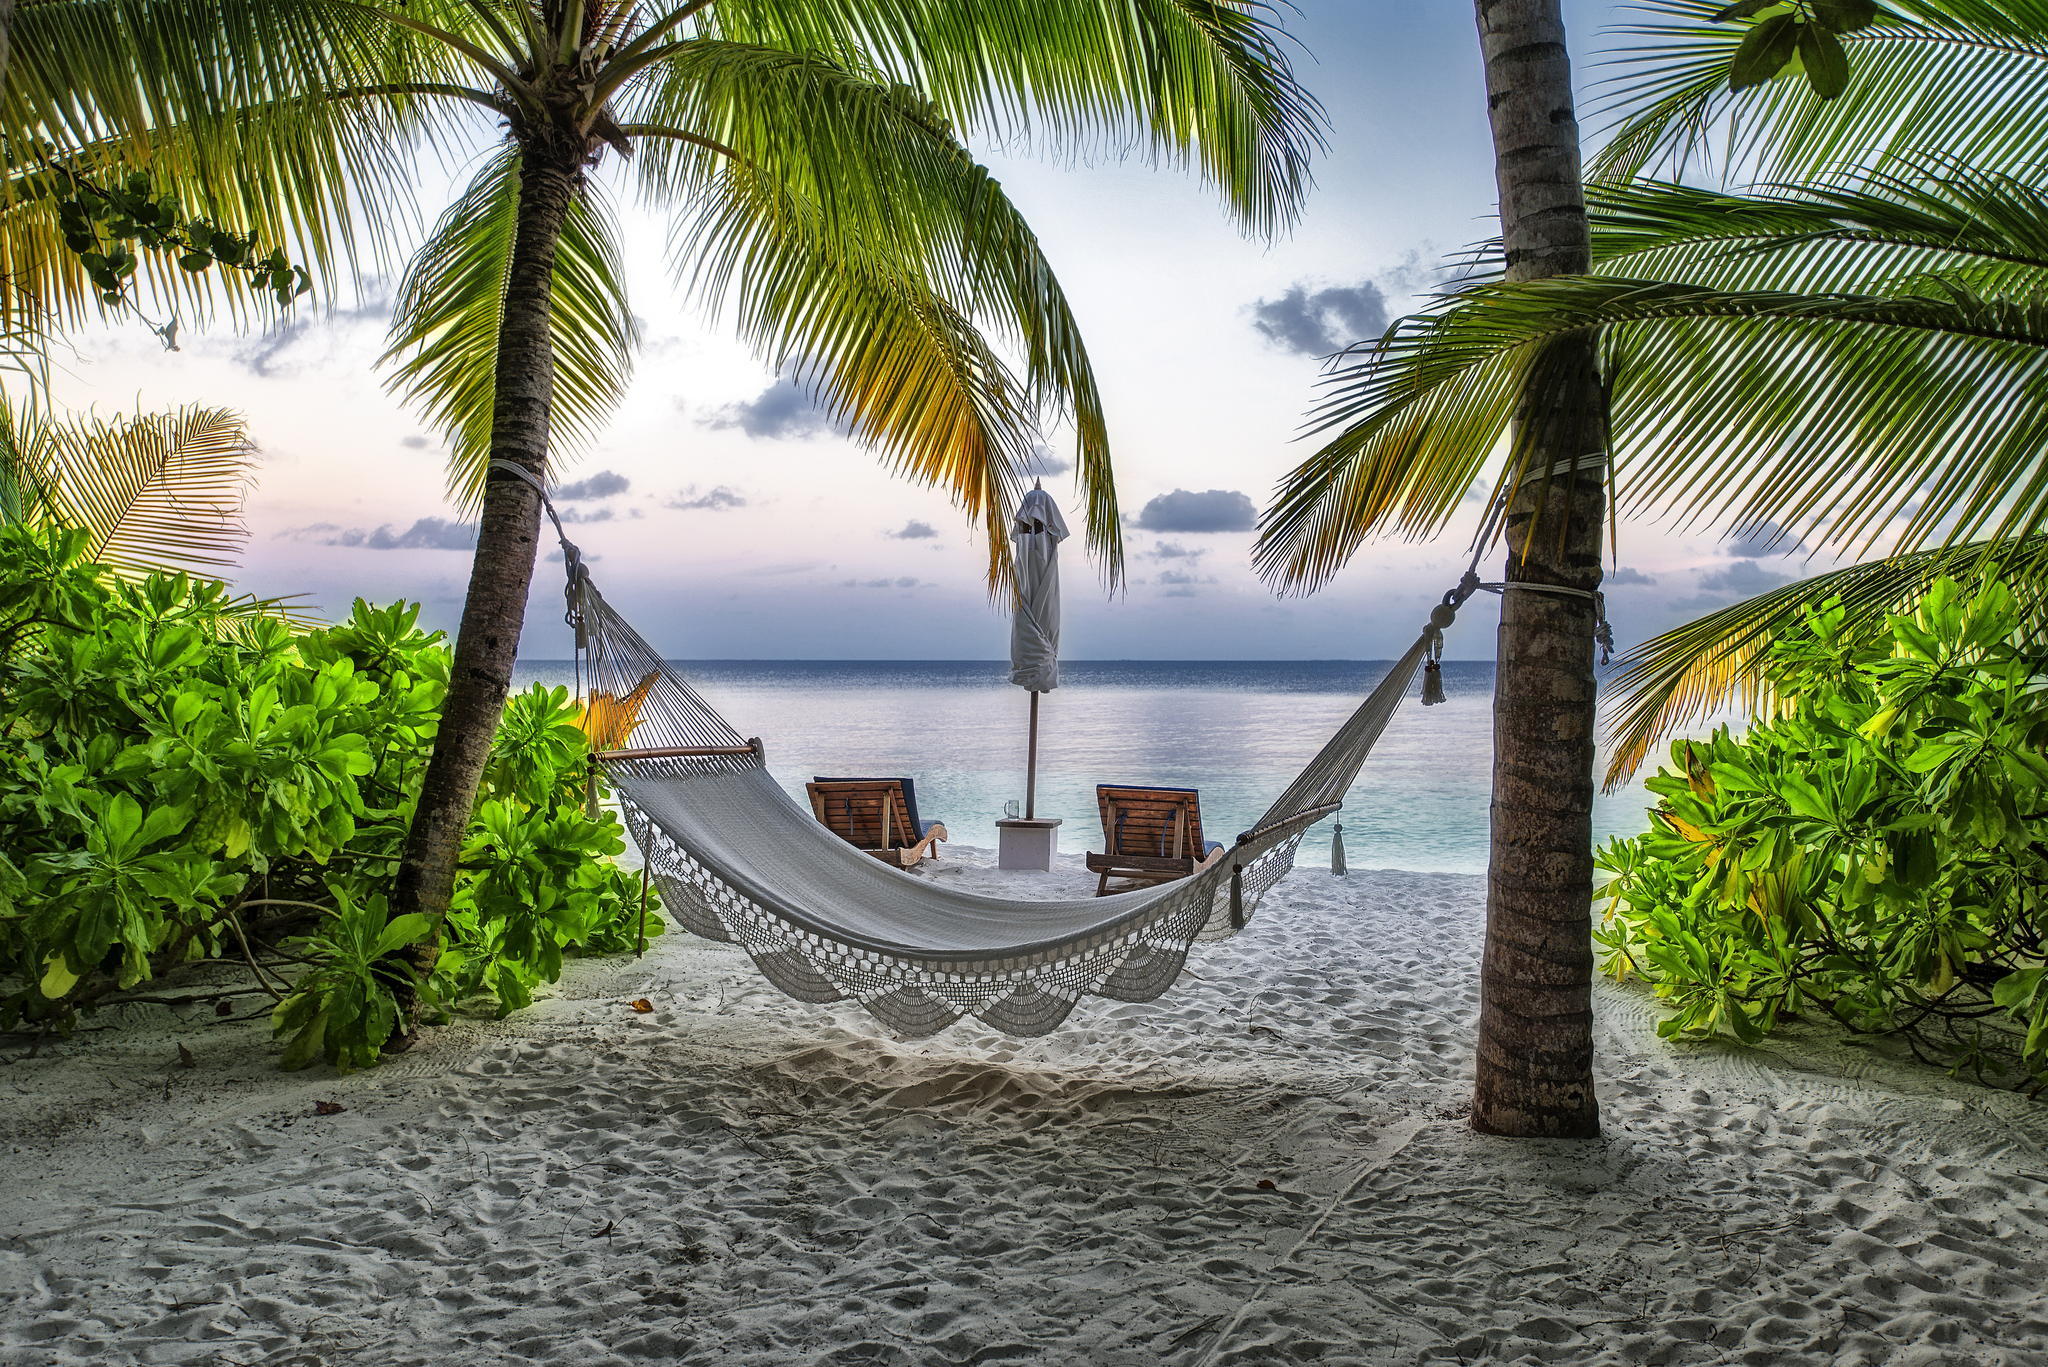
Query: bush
1874	852
187	780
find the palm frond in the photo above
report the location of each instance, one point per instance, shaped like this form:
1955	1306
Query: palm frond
1206	83
251	111
877	174
1916	417
155	491
881	351
1967	77
444	332
1858	232
1692	671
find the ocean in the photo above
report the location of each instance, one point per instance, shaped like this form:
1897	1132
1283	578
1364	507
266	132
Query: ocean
1237	730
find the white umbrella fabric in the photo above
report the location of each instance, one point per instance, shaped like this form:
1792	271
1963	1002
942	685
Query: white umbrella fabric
1035	535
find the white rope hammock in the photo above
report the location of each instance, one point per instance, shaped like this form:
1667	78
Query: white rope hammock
738	861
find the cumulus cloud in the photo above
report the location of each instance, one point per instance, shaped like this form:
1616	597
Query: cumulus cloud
602	484
914	530
414	443
1765	538
1720	587
427	534
1184	510
587	514
1742	579
1621	576
1046	464
276	352
1179	584
1316	322
721	499
781	412
1173	550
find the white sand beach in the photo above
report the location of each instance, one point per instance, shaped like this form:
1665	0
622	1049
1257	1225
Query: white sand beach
1270	1165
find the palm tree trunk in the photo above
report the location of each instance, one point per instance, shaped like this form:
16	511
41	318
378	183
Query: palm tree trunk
550	177
1535	1053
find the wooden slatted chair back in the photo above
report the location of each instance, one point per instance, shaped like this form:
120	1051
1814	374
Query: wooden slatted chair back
1151	823
870	813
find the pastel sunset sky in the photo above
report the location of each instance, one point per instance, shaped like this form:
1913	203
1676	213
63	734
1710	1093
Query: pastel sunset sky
729	519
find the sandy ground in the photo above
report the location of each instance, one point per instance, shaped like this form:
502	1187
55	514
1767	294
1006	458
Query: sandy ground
1271	1165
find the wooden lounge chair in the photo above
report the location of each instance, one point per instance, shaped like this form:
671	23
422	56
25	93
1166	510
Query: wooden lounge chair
878	815
1151	835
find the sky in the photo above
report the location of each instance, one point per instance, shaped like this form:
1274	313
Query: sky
729	520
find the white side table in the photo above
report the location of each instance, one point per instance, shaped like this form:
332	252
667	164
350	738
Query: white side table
1027	843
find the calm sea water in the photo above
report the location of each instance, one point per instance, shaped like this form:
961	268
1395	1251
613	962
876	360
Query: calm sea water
1237	730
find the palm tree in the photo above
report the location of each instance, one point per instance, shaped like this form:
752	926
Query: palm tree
1535	1048
1858	358
811	151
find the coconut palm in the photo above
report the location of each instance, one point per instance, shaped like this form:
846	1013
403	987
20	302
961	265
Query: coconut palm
810	150
1859	360
1535	1046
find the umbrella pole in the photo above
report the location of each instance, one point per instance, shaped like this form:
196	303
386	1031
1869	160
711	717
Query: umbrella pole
1031	765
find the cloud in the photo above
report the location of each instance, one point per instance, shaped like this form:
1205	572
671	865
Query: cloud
1318	322
414	443
427	534
1043	462
1765	538
1720	587
914	530
781	412
1743	578
1180	585
270	355
603	484
1183	510
717	500
1621	576
587	514
908	581
1173	550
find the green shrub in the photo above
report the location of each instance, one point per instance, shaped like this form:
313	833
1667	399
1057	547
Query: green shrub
1875	852
184	780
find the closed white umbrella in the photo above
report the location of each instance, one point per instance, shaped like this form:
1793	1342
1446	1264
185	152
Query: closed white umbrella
1035	535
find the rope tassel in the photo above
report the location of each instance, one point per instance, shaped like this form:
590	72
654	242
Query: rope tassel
1237	916
1337	865
1432	683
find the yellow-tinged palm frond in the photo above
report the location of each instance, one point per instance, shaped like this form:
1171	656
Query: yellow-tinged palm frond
1694	670
608	720
158	491
880	350
873	176
444	332
1966	77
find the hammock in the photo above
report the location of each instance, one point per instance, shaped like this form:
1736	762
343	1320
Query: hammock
738	861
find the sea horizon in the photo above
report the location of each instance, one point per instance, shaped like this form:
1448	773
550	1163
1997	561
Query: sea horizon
1237	730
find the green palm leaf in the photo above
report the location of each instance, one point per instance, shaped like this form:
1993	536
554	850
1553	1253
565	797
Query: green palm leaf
1968	78
444	335
1206	83
1842	417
